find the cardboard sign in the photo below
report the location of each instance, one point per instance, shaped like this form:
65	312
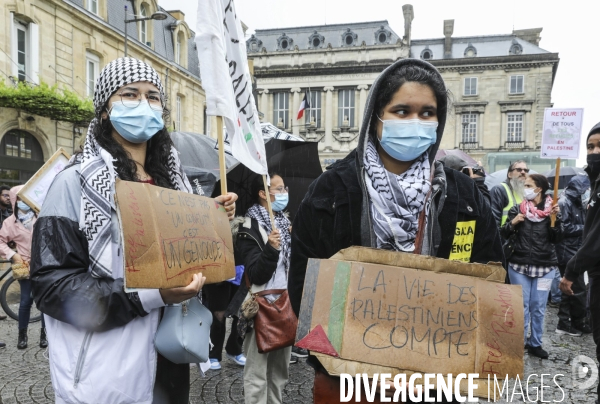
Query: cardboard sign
389	310
170	235
34	191
561	135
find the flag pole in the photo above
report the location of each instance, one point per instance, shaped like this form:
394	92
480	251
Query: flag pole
269	208
555	198
222	166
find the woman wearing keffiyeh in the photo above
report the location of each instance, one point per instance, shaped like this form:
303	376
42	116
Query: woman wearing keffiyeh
101	347
391	193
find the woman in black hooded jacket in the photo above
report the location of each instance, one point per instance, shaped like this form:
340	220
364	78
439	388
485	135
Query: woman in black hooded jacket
389	192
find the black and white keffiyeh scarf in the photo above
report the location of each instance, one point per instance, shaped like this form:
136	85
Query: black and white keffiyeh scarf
396	200
97	171
260	214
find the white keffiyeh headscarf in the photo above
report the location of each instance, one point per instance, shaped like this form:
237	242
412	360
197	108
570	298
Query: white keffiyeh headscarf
396	200
97	172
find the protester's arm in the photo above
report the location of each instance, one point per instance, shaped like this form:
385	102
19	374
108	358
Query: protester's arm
487	245
587	257
570	228
508	229
499	200
5	250
259	265
63	288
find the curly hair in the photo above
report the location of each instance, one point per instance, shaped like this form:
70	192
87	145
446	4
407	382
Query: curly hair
157	154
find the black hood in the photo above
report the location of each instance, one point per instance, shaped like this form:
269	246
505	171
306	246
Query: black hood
595	129
442	108
577	185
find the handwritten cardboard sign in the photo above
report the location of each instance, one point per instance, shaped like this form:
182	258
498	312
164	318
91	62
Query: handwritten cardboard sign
34	191
561	135
170	235
381	310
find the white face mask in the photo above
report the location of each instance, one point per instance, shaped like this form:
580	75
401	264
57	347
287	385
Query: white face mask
529	194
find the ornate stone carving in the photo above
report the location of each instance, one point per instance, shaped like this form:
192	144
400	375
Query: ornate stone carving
316	41
349	38
516	106
383	36
470	107
426	54
253	44
284	43
470	51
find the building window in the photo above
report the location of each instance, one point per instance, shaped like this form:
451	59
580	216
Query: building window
516	84
143	25
469	128
178	114
316	40
281	106
470	86
92	71
349	38
346	108
515	127
515	48
22	50
19	145
284	42
92	6
313	114
426	54
178	49
382	36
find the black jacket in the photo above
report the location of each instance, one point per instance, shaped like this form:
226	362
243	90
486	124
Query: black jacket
329	219
587	257
259	259
572	215
5	213
534	243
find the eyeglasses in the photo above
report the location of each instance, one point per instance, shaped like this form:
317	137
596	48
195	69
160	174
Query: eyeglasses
132	99
521	170
280	190
7	196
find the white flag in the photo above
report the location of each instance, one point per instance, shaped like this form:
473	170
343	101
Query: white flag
226	80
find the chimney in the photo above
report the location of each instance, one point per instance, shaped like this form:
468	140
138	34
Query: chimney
531	35
409	14
448	30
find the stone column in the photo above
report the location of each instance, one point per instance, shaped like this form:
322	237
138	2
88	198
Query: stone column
362	101
328	118
264	104
295	104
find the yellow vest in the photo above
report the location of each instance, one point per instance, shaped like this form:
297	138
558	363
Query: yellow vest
512	201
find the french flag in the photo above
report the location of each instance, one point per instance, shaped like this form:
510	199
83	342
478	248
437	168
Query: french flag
303	105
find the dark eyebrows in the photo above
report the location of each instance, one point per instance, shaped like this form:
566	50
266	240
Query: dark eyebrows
406	106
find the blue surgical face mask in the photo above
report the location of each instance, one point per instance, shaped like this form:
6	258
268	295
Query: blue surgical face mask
407	139
281	201
23	206
138	124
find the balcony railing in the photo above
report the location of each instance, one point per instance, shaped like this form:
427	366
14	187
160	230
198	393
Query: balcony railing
514	145
469	145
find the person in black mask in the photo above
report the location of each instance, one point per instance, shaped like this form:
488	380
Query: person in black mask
587	257
475	172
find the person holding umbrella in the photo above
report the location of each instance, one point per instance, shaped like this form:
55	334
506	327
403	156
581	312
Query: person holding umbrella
390	193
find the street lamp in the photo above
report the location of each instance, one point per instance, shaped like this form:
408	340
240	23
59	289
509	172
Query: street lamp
159	15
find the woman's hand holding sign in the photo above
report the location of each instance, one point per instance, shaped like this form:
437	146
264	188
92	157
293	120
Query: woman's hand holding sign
178	295
228	201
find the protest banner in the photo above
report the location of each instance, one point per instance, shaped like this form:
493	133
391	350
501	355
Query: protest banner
227	82
35	189
372	311
561	137
170	235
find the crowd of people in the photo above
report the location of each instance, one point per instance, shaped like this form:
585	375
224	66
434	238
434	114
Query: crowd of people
389	193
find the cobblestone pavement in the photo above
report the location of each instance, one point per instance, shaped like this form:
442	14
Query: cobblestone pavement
24	376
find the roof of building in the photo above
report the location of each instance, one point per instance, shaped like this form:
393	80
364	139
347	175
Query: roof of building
338	35
163	36
481	46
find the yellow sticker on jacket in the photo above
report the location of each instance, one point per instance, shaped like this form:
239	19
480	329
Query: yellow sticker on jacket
463	241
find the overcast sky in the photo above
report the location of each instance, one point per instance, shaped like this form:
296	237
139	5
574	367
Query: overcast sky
570	28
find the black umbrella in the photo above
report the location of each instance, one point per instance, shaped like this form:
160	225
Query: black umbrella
296	162
200	160
565	175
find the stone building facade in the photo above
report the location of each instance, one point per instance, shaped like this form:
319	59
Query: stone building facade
67	42
499	84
